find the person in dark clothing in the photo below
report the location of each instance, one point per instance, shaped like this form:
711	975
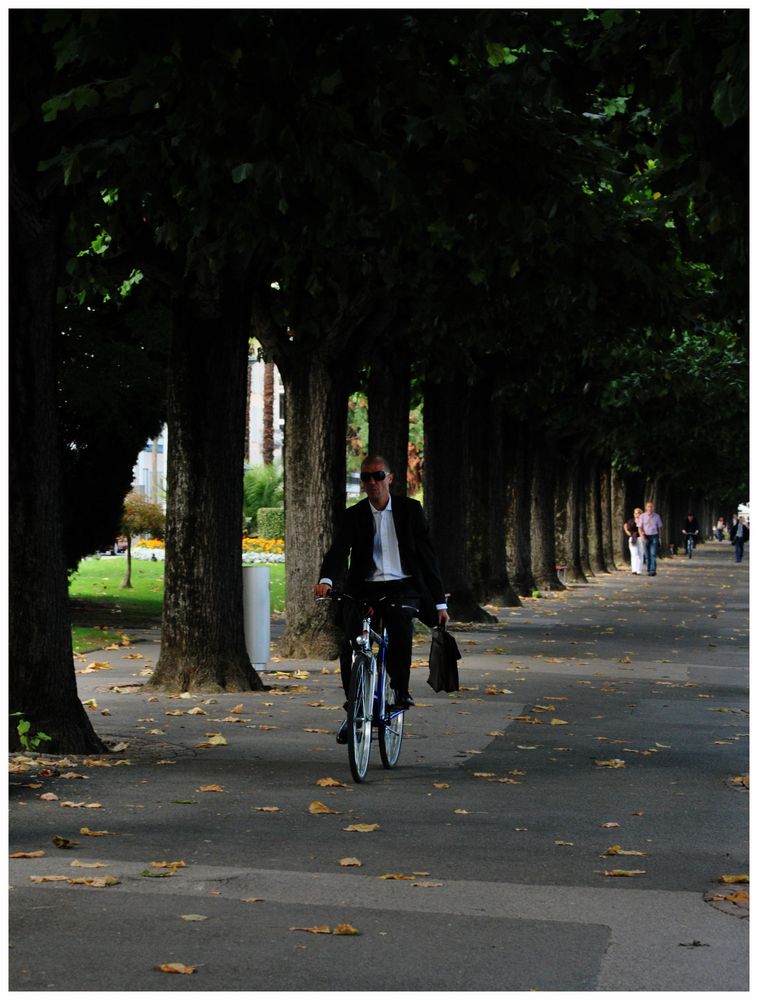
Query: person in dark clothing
386	540
691	527
739	533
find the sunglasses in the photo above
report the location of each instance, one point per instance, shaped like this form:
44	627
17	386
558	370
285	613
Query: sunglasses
366	477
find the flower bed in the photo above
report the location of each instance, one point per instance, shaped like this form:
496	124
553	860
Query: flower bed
255	551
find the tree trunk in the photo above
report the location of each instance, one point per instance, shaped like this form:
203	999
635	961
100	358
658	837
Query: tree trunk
389	402
543	516
268	413
126	583
606	509
41	666
315	395
619	514
445	495
568	515
203	642
497	586
584	517
595	519
519	513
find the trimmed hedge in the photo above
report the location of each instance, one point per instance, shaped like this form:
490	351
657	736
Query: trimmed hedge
271	522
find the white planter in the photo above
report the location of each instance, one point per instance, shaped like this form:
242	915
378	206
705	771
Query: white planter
256	604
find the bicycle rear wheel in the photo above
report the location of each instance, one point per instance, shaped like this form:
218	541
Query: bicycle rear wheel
359	717
390	728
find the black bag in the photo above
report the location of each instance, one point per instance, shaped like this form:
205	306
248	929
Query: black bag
443	657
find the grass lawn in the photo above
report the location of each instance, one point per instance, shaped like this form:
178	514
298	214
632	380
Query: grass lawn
97	598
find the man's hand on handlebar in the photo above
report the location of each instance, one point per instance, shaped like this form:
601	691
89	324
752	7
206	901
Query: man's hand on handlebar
444	617
321	590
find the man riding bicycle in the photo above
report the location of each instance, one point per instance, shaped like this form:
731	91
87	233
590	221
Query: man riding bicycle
691	528
392	563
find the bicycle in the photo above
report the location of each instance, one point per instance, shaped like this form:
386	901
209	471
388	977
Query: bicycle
370	697
689	543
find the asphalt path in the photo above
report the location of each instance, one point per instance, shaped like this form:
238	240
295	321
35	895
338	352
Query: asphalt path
613	715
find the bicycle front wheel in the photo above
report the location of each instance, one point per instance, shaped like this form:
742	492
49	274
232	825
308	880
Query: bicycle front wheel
390	728
359	717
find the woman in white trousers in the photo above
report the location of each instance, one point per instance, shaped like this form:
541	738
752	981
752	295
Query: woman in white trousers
636	541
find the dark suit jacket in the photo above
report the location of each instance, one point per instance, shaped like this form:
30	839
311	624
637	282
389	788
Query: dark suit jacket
733	532
355	538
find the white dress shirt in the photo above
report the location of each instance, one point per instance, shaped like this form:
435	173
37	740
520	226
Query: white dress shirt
386	548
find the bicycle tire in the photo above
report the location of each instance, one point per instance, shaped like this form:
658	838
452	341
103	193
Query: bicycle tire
390	729
359	718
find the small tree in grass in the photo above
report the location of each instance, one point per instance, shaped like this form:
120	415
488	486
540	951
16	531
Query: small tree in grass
141	517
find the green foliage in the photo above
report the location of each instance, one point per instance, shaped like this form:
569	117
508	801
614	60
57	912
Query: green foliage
271	522
27	739
263	486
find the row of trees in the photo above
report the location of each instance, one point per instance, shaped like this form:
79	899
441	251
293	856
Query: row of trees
534	221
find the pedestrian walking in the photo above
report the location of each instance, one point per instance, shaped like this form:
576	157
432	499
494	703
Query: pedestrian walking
738	536
720	529
652	528
636	540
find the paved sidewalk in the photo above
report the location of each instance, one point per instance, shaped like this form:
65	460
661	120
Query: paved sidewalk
498	817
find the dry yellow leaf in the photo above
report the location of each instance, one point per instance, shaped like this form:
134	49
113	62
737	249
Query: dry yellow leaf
725	879
441	784
564	843
211	788
86	832
345	930
265	728
320	809
237	710
168	864
184	970
623	873
267	809
214	740
322	929
192	917
252	899
614	762
558	722
73	774
615	849
350	863
428	885
48	878
610	826
361	827
80	805
317	730
49	797
102	882
87	864
397	877
461	812
483	774
196	711
27	854
331	783
176	711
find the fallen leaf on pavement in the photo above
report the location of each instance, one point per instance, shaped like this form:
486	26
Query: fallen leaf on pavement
252	899
192	917
49	797
610	826
331	783
27	854
441	784
86	832
87	864
615	849
361	827
623	873
350	863
483	774
345	930
64	843
48	878
614	762
266	728
558	722
317	730
564	843
461	812
397	877
196	711
214	740
211	788
73	774
168	864
725	879
428	885
237	710
184	970
267	809
322	929
319	809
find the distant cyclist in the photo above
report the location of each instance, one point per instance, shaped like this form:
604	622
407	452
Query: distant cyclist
691	528
391	557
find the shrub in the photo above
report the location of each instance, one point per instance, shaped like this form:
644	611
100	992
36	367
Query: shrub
262	487
271	522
